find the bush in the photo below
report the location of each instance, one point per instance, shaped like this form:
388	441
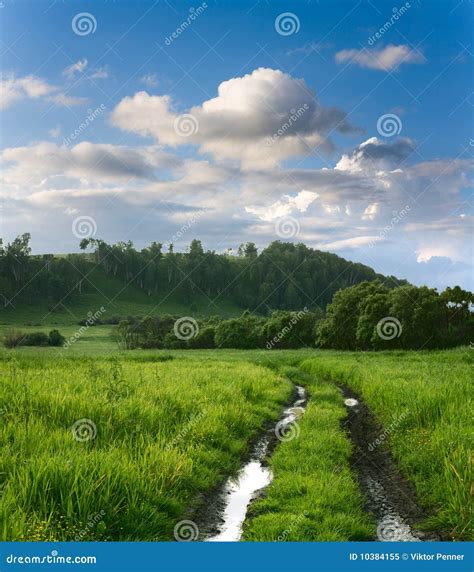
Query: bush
56	339
13	338
239	333
204	340
171	342
35	339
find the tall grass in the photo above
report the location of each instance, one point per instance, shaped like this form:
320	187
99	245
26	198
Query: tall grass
314	495
426	398
166	432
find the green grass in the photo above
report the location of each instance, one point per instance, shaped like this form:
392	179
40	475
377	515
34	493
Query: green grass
314	496
166	432
425	398
145	476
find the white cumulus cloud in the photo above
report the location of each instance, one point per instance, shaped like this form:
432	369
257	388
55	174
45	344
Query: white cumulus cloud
259	119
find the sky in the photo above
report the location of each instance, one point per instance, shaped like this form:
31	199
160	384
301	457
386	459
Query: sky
343	125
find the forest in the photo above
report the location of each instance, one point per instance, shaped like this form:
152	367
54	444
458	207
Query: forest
282	276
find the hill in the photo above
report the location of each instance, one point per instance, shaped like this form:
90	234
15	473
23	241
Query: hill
49	289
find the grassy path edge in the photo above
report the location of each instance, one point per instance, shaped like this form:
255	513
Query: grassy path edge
314	495
417	401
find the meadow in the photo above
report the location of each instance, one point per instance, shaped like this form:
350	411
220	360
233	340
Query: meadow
135	441
171	425
425	402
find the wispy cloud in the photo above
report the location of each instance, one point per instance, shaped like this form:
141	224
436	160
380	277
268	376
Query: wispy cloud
77	68
389	58
99	73
149	79
13	89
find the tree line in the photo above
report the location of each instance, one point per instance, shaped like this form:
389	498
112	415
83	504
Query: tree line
25	278
282	276
368	316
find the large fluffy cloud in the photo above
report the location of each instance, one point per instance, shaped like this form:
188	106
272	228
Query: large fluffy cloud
259	119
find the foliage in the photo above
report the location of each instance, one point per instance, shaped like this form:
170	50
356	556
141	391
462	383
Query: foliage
55	338
282	329
258	281
14	338
239	333
420	318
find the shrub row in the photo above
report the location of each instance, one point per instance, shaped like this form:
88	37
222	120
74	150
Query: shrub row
15	338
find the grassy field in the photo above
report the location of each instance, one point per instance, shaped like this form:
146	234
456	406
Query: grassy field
169	430
164	433
425	400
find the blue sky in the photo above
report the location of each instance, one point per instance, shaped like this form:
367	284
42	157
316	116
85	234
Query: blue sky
299	123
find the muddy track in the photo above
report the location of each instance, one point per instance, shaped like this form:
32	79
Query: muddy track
222	515
389	496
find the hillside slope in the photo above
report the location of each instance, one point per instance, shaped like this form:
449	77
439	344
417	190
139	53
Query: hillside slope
118	298
49	289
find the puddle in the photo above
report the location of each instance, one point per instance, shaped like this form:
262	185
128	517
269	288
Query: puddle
389	496
226	514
